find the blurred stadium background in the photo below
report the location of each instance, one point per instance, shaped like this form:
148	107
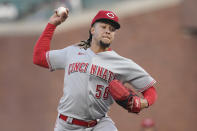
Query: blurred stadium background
160	35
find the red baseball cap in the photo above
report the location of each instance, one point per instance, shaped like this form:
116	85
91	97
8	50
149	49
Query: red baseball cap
106	16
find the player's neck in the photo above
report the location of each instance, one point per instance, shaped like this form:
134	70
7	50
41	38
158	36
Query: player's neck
96	48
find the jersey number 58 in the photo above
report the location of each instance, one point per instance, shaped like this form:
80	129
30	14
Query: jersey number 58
102	92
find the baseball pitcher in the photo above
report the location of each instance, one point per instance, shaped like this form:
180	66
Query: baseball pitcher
94	74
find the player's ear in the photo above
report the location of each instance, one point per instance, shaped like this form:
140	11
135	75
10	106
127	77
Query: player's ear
92	30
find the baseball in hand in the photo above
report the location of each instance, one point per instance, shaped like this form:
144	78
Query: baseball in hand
61	10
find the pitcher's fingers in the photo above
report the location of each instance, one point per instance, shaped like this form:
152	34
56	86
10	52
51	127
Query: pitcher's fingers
55	12
64	15
67	10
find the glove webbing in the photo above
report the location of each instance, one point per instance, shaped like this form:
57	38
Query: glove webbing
125	103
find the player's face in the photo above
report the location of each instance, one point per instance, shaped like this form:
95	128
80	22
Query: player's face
103	33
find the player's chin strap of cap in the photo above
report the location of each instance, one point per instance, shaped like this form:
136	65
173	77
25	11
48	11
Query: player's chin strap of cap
71	120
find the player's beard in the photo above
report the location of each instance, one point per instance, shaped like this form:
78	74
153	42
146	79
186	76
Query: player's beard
104	45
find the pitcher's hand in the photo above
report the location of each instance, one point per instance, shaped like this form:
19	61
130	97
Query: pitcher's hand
57	20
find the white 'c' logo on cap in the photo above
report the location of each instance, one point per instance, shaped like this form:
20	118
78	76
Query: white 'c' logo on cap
111	15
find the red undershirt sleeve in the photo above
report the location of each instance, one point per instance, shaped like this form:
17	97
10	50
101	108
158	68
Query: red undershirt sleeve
150	95
43	45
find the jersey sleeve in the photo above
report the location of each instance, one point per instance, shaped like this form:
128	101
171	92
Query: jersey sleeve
57	58
137	77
